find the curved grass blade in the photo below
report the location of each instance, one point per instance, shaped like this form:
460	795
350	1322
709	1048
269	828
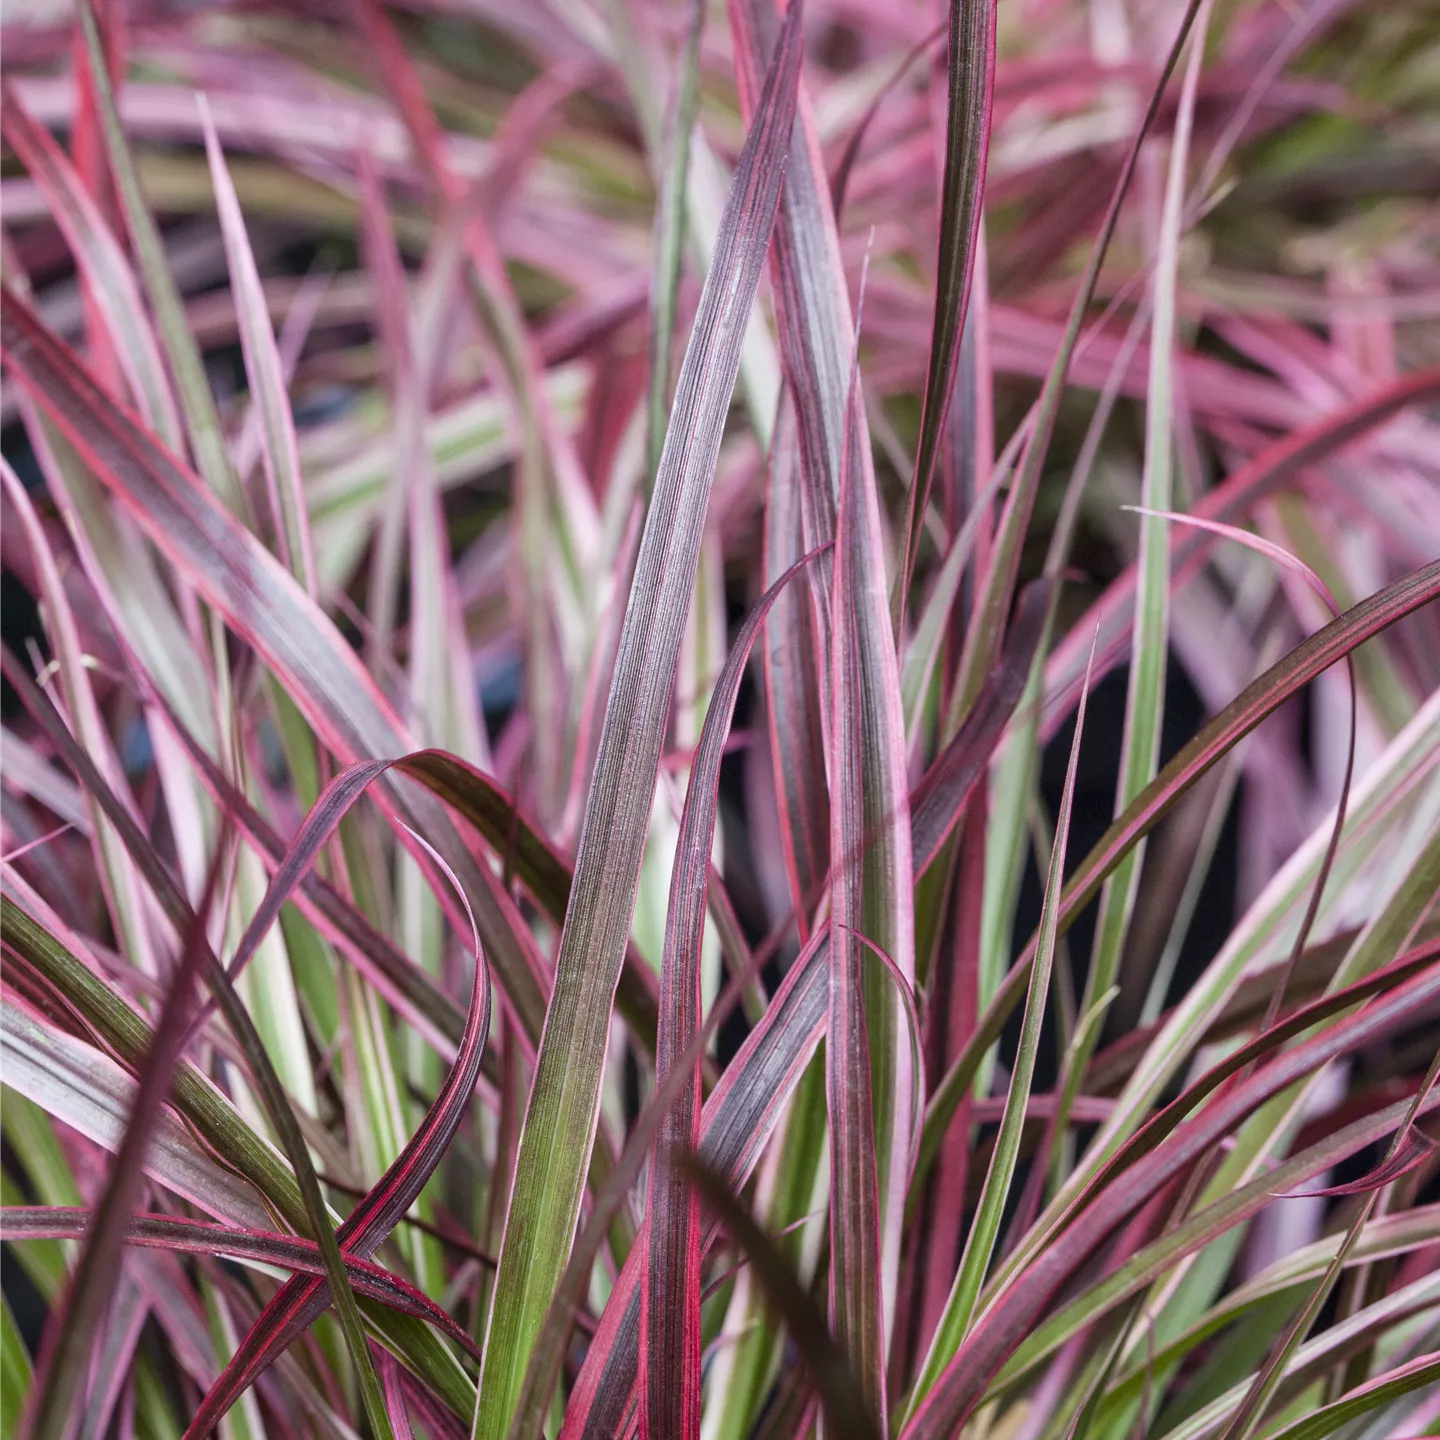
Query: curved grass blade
562	1113
1251	1410
840	179
967	148
73	1081
670	1289
1197	1230
266	1247
959	1314
1414	1149
1271	470
365	1228
1393	1383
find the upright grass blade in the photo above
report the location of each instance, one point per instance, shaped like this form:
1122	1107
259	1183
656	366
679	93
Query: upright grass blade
818	347
197	405
1145	694
670	1290
65	1359
736	1123
669	233
794	667
268	391
107	275
971	68
562	1112
959	1314
858	1061
994	601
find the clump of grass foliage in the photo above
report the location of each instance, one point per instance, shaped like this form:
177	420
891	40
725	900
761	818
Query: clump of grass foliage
721	720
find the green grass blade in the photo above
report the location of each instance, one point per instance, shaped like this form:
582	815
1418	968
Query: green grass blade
959	1313
562	1112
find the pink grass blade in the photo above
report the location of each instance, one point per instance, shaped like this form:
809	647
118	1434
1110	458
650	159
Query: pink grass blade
168	892
1249	1413
735	1124
994	601
856	1285
939	801
1414	1149
106	272
670	1291
118	880
967	148
558	526
669	232
192	388
269	392
543	1368
563	1109
817	341
368	1224
794	669
1275	468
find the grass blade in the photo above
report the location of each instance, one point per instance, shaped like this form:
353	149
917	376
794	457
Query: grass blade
1145	695
563	1108
202	423
108	278
848	1413
670	1291
268	391
967	148
172	900
266	1247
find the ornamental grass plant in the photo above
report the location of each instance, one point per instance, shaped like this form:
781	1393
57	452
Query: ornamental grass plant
721	721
